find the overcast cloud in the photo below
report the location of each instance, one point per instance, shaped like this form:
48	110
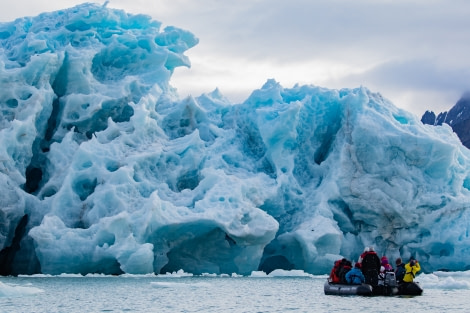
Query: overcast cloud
416	53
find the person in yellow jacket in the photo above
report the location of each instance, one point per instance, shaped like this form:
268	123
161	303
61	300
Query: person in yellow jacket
411	269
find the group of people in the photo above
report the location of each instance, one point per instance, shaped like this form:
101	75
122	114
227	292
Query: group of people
372	270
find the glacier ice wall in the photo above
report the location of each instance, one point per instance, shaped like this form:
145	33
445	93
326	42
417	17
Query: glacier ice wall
104	169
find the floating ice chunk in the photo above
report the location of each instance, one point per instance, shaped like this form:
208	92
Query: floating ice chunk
291	273
179	285
178	274
10	291
438	281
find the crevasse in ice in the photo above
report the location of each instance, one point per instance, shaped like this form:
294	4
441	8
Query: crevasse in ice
105	169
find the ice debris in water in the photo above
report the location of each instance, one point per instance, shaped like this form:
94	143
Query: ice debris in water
14	291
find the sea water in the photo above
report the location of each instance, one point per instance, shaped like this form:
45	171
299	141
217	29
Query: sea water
180	292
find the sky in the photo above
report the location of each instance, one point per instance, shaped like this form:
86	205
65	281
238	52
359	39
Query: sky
416	53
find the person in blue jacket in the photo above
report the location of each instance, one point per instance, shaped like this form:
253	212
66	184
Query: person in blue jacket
355	276
400	271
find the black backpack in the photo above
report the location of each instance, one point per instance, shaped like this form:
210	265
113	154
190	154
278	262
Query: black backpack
371	261
370	268
342	273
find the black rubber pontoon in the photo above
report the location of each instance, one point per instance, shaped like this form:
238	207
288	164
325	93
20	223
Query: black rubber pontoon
410	289
343	290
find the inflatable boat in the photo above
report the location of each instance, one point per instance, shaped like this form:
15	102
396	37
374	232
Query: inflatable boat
410	289
346	290
404	289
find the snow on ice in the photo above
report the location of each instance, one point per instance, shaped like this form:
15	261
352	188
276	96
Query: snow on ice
104	169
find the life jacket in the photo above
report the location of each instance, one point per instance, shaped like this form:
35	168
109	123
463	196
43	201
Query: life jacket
340	268
411	271
334	278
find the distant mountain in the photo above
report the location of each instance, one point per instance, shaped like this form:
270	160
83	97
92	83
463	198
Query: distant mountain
458	118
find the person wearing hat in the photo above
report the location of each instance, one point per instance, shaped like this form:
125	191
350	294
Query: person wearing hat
411	269
400	270
355	276
370	266
366	250
387	267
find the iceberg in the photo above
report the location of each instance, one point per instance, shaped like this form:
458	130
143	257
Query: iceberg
105	169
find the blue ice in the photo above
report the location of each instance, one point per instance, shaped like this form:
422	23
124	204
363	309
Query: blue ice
105	169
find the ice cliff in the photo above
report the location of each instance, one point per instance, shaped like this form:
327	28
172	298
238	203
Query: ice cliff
104	169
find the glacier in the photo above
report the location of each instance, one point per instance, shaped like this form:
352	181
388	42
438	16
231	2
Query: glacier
105	169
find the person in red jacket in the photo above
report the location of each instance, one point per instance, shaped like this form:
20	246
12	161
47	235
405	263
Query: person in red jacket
340	268
334	278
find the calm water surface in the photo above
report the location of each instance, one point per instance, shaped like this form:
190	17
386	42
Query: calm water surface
212	294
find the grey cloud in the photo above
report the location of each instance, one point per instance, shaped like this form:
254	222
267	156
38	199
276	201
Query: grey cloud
402	46
300	29
419	74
